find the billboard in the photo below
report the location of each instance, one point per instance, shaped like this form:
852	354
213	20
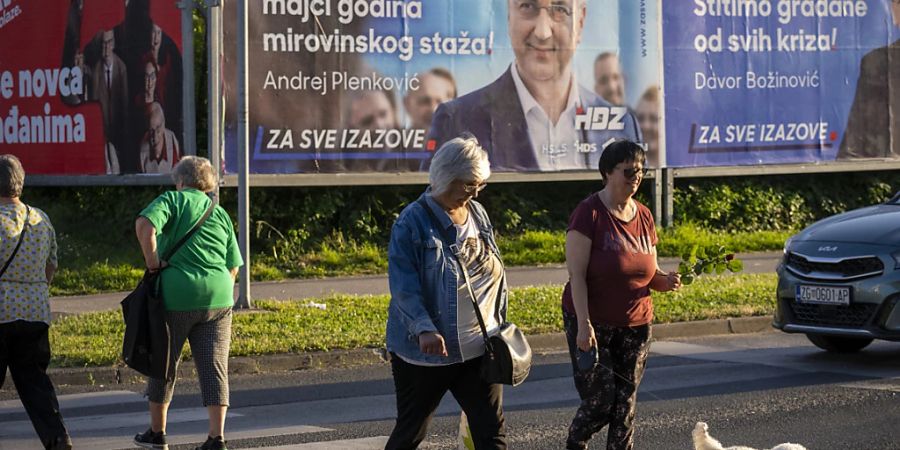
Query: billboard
91	87
781	81
341	86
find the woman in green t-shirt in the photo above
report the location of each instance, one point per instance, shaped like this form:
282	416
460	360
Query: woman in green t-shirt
197	289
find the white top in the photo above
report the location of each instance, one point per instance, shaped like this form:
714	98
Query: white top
485	272
554	144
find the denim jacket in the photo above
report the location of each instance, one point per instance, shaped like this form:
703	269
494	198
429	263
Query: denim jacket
423	275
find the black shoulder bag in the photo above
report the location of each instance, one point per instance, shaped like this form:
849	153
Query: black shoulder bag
507	356
145	345
19	244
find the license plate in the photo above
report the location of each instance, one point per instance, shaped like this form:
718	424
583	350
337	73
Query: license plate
827	295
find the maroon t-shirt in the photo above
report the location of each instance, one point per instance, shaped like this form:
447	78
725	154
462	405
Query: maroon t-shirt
621	264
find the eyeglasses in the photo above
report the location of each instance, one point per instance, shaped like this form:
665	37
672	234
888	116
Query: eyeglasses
529	9
631	172
472	189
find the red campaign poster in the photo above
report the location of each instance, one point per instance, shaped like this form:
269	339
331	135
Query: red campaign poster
91	87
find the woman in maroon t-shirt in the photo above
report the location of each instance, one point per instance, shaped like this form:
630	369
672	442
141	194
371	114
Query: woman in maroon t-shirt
607	310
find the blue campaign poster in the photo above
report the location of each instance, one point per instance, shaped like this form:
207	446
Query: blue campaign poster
339	86
780	81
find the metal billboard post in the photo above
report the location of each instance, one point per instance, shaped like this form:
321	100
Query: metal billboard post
243	190
189	117
214	81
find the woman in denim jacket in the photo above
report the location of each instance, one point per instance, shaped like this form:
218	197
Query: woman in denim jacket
433	334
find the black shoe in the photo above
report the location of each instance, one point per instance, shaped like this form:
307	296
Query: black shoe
213	443
63	442
149	439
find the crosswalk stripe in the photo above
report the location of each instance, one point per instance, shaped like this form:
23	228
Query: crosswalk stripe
109	421
370	443
85	400
178	438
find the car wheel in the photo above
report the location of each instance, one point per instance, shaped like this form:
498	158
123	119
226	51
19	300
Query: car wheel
839	344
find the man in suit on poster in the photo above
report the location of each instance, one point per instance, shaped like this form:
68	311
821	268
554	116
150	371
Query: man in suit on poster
873	125
536	117
110	88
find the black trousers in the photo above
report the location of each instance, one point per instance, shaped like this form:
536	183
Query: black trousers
608	392
420	390
25	349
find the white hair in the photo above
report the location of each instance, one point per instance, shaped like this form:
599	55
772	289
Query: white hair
458	159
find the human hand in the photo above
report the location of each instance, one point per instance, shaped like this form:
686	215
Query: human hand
586	338
432	343
673	279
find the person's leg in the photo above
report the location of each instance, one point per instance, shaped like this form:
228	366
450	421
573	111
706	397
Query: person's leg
29	355
483	405
419	391
595	387
210	344
632	348
160	392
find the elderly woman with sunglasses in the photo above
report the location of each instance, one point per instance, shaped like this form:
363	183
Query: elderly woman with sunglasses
433	335
606	306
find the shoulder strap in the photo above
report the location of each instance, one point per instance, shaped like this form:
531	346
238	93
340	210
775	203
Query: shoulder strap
171	251
19	244
454	249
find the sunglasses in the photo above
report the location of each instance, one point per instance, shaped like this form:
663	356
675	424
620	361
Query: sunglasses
631	172
474	188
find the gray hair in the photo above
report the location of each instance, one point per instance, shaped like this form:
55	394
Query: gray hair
458	159
195	172
12	176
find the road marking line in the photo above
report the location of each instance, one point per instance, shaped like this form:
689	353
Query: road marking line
85	400
370	443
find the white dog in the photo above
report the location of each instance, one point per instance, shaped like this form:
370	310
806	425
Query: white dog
703	441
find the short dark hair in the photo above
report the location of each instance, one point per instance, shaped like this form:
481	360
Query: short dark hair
619	152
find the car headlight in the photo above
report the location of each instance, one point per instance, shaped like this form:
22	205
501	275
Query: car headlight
787	244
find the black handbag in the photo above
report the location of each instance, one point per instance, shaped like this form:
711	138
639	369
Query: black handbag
147	340
507	356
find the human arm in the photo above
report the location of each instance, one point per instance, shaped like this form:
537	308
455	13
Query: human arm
663	281
146	235
407	296
578	254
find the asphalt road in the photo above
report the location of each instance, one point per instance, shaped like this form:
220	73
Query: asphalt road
757	390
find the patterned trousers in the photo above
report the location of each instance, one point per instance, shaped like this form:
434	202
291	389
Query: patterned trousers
209	334
608	391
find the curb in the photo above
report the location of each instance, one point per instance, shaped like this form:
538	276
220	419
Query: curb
250	365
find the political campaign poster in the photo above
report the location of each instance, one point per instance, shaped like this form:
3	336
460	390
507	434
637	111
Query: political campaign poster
781	81
377	86
90	87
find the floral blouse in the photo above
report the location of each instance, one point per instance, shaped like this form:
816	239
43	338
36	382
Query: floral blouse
24	292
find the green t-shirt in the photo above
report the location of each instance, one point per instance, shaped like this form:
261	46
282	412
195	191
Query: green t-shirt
197	277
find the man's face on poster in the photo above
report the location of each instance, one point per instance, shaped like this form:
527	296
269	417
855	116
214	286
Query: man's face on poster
544	35
648	119
421	103
155	135
109	43
608	80
372	111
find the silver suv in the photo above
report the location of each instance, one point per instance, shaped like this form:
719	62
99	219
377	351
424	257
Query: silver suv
839	282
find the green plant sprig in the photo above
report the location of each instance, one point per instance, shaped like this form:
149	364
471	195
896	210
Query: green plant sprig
712	259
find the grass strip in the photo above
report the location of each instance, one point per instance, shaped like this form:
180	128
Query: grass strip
531	248
350	321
